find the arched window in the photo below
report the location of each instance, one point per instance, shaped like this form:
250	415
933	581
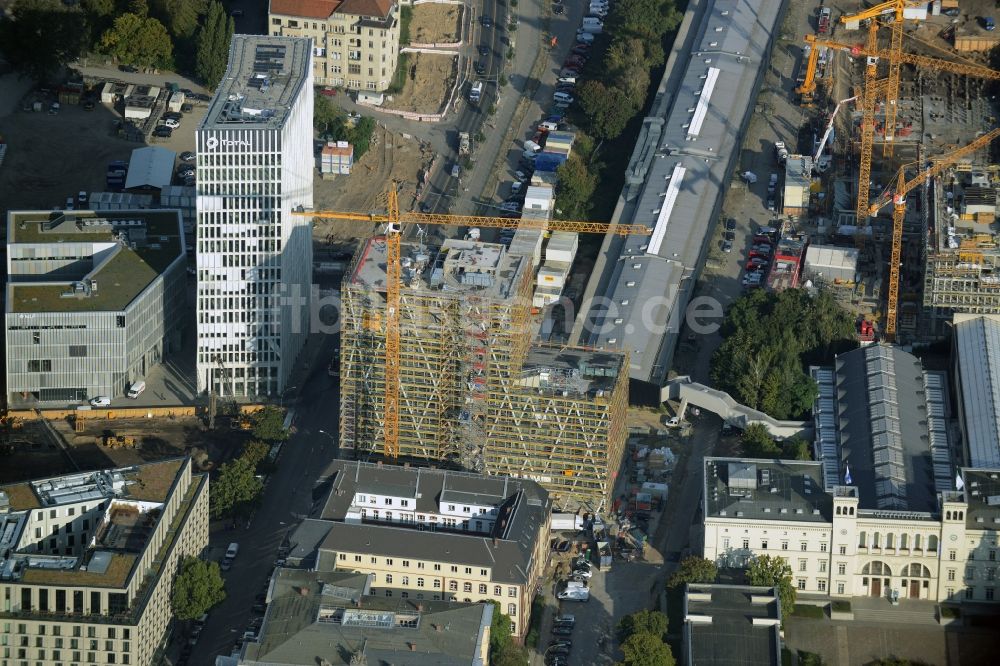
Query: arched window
917	541
932	542
947	515
876	541
838	510
862	539
890	540
904	540
876	568
916	570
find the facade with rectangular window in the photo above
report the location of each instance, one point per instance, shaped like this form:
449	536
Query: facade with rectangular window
254	257
94	301
945	554
458	537
87	562
355	43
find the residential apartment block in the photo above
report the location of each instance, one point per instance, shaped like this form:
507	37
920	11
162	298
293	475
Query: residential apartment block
355	43
254	258
94	301
333	618
87	562
434	535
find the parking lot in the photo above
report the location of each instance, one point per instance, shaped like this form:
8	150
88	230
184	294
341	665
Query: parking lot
53	156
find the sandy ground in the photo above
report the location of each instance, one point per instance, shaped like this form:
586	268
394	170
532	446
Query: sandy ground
428	82
392	157
433	23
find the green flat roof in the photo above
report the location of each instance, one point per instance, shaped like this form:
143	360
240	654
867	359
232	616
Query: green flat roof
120	279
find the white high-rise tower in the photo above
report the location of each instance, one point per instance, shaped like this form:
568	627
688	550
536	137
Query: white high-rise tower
255	165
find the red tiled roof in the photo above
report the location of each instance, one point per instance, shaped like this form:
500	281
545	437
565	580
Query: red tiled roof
379	8
317	9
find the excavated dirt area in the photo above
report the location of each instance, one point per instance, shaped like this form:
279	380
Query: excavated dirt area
392	157
436	23
428	80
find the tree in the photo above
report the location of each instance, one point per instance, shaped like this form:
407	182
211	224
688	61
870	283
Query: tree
693	569
197	588
758	443
768	571
646	649
269	424
604	108
212	45
575	188
40	36
642	622
235	487
328	118
360	135
180	16
795	449
768	341
255	452
503	650
139	41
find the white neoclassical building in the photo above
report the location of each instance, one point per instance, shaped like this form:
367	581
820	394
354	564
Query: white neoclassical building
882	511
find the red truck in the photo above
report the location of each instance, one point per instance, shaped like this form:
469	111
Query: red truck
824	21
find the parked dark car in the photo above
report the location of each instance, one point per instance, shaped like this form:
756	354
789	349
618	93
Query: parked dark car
163	132
128	68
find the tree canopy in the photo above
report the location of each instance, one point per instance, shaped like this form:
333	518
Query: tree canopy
235	488
769	339
269	424
642	622
41	35
574	189
332	124
693	569
503	650
212	45
138	40
772	571
197	588
646	649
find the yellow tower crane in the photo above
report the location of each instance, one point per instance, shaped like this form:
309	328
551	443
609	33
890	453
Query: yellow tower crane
898	199
393	220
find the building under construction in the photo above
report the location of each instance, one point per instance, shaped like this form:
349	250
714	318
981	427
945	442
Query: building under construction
472	391
963	257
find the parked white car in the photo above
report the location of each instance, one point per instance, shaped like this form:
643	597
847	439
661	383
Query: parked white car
100	401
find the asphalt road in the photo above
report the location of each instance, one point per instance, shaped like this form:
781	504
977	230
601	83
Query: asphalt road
287	499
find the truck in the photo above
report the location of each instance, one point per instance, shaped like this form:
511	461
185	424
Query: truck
780	151
824	21
476	92
464	144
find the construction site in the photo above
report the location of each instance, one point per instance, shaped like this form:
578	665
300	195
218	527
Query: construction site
441	363
899	198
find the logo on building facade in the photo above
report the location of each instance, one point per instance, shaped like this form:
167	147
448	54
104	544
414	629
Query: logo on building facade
212	143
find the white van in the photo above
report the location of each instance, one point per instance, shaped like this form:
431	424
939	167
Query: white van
136	390
592	20
570	80
585	38
562	97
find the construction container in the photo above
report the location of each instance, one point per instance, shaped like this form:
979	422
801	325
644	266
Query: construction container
560	139
551	276
336	158
176	101
562	247
538	198
550	160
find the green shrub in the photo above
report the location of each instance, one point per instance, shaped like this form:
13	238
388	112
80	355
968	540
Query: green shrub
841	606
